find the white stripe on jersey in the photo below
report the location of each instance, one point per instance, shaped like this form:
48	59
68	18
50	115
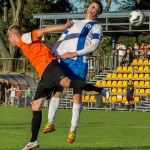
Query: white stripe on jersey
69	41
26	38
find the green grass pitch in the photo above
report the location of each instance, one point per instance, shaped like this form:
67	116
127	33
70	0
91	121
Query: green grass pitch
97	130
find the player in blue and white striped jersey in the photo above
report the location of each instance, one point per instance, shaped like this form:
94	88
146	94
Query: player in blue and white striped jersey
74	46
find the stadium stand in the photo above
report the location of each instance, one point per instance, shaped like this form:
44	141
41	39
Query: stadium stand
138	72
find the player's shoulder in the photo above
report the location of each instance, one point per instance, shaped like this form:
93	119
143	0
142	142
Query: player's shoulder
27	38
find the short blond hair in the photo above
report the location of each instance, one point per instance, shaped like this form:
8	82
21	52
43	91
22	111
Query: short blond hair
15	27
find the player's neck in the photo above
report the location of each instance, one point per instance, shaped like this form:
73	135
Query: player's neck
89	17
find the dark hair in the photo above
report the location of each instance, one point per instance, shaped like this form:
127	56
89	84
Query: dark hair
100	5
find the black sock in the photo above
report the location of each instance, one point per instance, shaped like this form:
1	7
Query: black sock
77	84
36	123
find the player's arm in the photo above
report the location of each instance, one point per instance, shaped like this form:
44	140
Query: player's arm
96	37
43	31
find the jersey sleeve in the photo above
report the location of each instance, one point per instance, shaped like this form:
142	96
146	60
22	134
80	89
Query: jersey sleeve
97	34
30	37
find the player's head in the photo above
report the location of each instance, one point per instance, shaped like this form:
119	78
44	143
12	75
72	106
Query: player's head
14	32
95	8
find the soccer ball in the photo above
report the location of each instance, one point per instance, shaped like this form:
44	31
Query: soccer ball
136	18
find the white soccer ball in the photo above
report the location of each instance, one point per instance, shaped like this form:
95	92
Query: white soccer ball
136	18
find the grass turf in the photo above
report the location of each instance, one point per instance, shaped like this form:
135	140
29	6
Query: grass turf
97	130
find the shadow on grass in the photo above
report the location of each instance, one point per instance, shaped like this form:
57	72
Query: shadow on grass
97	148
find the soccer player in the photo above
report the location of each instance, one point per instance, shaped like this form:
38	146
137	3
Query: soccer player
47	68
74	46
130	95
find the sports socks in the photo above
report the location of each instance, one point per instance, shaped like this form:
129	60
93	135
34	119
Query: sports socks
53	107
77	84
75	116
36	123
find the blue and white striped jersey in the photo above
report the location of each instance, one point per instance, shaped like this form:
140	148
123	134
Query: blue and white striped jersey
83	37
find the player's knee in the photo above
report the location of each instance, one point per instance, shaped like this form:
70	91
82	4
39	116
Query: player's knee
65	82
77	98
36	105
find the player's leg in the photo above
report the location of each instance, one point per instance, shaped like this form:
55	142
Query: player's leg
52	110
76	111
36	123
82	85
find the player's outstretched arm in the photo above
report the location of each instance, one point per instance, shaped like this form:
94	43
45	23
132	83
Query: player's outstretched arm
43	31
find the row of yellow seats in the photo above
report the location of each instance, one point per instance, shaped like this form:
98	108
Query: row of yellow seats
133	68
124	90
119	99
121	83
88	98
129	76
141	61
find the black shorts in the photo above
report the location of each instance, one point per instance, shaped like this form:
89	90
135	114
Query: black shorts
50	79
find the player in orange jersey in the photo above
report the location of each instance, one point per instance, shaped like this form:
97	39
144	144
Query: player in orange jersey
46	65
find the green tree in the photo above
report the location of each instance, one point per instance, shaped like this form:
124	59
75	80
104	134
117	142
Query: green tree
20	12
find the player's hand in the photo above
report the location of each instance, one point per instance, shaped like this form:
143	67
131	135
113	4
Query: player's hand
68	24
69	55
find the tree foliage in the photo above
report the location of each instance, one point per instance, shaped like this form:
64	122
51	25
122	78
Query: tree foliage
21	12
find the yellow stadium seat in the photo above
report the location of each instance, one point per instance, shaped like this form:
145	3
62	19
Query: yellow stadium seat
114	83
141	68
135	61
98	82
147	91
119	83
119	98
130	76
124	99
130	68
114	75
136	83
119	75
109	89
108	75
125	83
141	83
86	98
103	83
137	91
142	91
92	98
135	76
141	75
119	68
140	61
145	61
124	90
125	68
114	90
82	97
147	83
119	90
136	68
146	69
104	99
125	76
136	99
147	76
109	83
113	99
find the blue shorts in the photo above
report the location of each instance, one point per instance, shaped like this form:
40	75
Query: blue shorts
73	69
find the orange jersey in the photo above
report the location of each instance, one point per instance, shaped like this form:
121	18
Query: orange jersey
36	51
